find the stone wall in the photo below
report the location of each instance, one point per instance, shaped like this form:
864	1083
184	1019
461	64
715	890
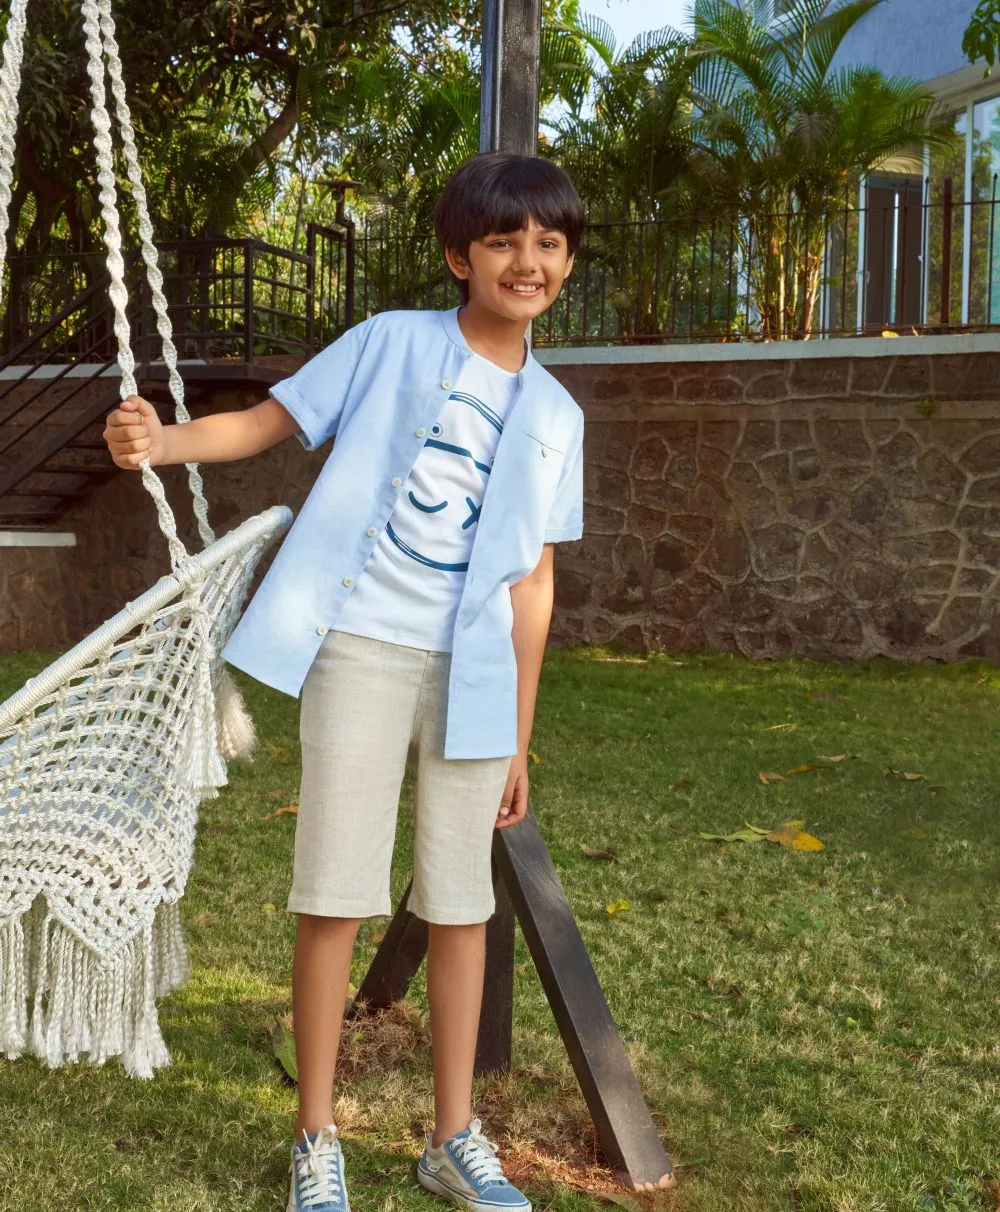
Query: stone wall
828	506
832	507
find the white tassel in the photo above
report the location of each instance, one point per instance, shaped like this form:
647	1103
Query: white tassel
235	729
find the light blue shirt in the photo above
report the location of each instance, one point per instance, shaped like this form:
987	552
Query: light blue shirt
380	389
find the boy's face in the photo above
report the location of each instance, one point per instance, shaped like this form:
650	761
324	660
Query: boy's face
516	275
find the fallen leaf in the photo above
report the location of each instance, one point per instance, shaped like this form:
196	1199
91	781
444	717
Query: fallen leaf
679	784
757	829
908	776
887	332
535	759
780	727
792	835
283	1047
805	768
621	906
770	776
267	909
993	1190
742	835
822	757
609	854
290	810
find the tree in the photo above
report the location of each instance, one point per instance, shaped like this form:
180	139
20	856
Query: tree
982	35
787	138
217	86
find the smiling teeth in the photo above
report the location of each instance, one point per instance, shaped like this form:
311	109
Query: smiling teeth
524	290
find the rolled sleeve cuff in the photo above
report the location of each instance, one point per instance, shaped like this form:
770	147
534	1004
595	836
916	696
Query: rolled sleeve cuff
311	433
564	534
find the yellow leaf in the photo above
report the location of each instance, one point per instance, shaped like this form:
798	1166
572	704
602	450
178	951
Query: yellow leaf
887	332
805	768
908	776
792	835
621	906
268	909
535	759
770	776
290	810
609	854
822	757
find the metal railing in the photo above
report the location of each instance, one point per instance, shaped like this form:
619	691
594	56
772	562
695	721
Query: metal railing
227	299
913	259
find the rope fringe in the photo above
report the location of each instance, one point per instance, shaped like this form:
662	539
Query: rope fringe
80	1003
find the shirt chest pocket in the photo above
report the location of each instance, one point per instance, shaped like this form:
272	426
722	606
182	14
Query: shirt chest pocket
541	449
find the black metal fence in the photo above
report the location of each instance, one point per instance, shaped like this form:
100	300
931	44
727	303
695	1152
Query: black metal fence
913	259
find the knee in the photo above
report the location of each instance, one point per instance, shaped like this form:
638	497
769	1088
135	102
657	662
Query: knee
313	924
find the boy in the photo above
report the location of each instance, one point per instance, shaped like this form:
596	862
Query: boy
410	604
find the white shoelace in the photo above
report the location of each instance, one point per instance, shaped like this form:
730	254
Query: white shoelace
480	1156
317	1169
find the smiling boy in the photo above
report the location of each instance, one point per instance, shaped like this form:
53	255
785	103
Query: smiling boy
410	605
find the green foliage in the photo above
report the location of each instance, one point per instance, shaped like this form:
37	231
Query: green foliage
785	136
982	35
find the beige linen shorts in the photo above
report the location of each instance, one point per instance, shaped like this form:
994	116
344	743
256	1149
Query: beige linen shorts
367	706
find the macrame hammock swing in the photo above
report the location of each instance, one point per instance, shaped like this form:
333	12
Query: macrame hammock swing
106	755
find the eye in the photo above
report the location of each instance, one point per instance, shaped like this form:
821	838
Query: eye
437	430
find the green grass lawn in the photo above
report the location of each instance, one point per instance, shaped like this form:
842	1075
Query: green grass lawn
815	1031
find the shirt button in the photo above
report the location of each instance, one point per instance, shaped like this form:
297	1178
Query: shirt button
321	631
396	482
348	582
545	452
372	532
421	432
447	384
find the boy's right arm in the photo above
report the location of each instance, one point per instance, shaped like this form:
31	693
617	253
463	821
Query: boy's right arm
134	432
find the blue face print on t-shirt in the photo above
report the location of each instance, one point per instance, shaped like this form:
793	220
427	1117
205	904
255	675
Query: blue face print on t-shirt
448	484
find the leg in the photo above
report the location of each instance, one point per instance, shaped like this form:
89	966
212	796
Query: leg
455	814
356	723
456	960
320	976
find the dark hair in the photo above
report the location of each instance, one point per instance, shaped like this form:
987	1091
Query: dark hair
503	192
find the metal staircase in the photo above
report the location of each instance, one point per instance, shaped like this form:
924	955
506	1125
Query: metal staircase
235	305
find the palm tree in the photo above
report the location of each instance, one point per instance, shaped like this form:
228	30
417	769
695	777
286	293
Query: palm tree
623	133
787	136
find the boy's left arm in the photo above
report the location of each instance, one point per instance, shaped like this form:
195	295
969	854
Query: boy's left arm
531	599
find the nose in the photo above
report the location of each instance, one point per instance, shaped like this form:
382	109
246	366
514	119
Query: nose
525	261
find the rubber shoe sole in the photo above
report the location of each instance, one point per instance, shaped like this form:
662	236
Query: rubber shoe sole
431	1182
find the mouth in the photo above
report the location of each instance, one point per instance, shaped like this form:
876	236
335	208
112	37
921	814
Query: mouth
524	290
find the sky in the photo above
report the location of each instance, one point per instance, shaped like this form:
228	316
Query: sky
630	17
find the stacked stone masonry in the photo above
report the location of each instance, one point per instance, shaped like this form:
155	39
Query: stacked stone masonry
825	507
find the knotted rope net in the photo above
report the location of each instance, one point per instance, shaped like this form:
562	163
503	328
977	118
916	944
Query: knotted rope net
106	755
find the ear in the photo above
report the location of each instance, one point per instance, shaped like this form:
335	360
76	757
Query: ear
457	263
569	265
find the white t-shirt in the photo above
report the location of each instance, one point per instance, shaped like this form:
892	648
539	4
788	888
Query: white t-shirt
410	588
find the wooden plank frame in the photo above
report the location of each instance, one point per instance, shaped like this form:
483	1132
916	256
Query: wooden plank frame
527	884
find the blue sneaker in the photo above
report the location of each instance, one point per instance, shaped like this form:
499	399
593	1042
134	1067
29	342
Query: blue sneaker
318	1174
467	1171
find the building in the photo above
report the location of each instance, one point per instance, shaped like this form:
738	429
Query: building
931	232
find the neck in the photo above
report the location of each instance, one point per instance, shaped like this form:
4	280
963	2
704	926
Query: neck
494	337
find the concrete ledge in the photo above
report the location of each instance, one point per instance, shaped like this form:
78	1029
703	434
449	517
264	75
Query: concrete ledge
773	351
36	538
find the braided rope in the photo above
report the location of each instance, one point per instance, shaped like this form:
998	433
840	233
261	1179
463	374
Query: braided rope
150	256
10	86
101	120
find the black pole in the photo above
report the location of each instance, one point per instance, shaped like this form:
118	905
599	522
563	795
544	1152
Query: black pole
508	112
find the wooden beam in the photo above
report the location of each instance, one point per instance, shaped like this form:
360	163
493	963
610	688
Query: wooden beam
624	1126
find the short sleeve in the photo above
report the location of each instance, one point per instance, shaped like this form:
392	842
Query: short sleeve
315	395
566	516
